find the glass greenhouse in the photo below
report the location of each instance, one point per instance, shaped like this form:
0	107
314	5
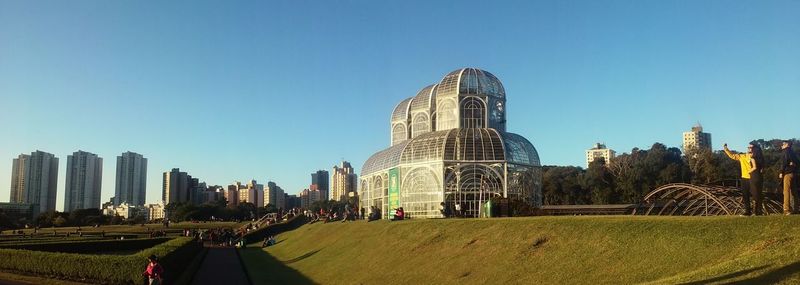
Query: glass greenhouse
449	145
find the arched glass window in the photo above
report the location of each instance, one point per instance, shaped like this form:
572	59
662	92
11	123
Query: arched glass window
420	125
398	133
446	116
473	113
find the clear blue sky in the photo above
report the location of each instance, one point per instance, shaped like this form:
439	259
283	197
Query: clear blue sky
274	90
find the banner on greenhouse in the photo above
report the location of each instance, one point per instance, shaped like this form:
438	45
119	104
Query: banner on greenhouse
394	191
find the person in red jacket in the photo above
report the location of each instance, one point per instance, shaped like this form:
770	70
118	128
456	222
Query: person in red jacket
154	271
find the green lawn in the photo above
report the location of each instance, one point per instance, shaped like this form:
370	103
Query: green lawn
546	250
24	279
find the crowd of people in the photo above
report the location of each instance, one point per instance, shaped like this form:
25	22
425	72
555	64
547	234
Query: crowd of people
350	213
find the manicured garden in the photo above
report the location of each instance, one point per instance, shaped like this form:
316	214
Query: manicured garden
102	255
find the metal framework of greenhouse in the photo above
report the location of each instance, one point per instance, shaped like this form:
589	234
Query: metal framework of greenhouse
450	149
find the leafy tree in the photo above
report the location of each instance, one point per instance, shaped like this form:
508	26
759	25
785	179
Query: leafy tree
600	182
563	185
59	221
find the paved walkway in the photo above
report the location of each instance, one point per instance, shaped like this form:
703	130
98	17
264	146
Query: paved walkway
221	266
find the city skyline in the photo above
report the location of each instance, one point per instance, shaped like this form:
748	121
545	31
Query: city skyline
274	91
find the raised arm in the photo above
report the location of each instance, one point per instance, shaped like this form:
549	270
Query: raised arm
729	153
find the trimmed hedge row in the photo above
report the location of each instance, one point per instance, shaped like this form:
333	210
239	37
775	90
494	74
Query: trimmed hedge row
260	234
88	246
102	269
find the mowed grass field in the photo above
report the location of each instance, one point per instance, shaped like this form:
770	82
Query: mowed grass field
535	250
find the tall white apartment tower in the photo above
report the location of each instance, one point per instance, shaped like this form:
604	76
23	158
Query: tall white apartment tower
131	184
343	182
84	179
18	179
41	176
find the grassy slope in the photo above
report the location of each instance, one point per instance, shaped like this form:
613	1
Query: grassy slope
549	250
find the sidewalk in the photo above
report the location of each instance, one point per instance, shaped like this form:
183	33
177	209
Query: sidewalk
221	266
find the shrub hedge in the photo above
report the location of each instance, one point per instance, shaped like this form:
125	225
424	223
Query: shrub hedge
87	246
174	256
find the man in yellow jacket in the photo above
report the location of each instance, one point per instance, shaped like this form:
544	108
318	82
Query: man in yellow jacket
747	191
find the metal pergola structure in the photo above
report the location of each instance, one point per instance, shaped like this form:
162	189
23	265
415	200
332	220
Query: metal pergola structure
681	199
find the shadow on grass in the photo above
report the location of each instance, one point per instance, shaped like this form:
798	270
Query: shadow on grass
265	269
304	256
775	276
725	277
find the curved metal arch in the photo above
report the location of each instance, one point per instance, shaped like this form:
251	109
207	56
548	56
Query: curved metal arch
675	187
698	200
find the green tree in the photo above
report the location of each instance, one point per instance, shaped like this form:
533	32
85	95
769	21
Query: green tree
600	183
60	221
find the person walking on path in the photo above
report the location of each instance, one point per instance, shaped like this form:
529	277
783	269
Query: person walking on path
789	166
154	271
745	163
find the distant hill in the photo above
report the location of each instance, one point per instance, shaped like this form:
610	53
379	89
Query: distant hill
536	250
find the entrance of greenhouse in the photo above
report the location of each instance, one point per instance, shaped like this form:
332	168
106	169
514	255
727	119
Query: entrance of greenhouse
469	205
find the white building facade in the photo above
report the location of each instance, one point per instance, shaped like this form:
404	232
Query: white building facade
599	151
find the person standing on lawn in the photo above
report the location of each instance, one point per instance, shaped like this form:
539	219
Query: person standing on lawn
789	166
747	185
154	271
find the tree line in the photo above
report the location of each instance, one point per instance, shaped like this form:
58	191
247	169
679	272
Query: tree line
176	212
627	178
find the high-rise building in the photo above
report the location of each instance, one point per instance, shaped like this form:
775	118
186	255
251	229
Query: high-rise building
196	189
175	187
292	201
345	182
274	195
308	197
41	176
321	180
599	151
280	198
259	193
232	195
271	193
251	193
131	183
18	179
696	138
84	179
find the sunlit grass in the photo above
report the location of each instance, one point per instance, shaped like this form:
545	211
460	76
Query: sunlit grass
546	250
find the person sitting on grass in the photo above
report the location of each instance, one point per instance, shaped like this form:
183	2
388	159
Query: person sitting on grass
399	214
373	214
269	241
154	271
